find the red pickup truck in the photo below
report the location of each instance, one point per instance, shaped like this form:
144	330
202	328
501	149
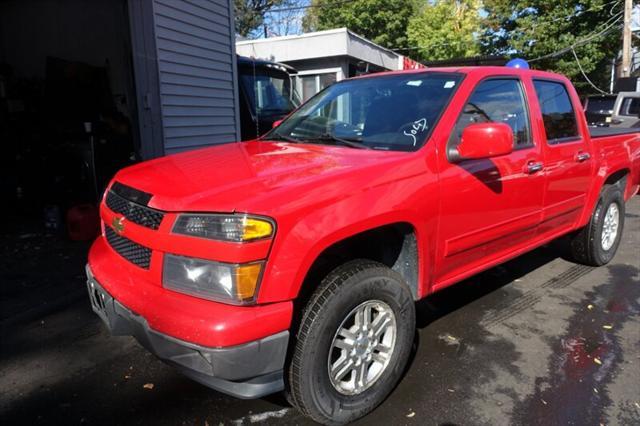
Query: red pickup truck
293	262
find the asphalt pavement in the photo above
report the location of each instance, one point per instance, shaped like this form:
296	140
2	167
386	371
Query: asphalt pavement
537	341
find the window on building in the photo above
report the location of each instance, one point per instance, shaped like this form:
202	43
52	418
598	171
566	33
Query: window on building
499	101
630	107
557	111
312	84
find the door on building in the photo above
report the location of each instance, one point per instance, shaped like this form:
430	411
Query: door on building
67	103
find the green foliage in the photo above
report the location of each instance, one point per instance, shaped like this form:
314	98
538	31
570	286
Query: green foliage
381	21
249	14
445	29
534	28
448	29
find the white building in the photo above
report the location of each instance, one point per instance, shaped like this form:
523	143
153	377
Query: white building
325	57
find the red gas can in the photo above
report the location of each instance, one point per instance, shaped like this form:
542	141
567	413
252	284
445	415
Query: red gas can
83	222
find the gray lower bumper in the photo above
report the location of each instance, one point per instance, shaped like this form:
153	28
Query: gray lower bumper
251	370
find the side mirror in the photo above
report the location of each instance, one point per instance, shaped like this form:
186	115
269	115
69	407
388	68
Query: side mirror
276	123
485	140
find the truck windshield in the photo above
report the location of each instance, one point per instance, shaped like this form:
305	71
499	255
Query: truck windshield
269	92
394	112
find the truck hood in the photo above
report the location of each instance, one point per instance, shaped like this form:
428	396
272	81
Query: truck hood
257	177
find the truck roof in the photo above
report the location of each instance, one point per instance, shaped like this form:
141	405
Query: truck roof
482	71
246	61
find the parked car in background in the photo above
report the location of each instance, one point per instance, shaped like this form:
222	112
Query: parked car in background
267	94
598	108
626	111
292	262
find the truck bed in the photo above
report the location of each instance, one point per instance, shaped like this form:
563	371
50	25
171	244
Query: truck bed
600	132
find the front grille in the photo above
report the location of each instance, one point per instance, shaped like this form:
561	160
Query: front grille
141	215
133	252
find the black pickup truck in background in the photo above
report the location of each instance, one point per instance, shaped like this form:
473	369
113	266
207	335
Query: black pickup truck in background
267	94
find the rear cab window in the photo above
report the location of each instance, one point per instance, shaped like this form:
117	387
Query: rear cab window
630	107
600	104
558	114
499	100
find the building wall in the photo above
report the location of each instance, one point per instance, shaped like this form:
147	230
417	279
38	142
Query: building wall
197	72
327	55
186	73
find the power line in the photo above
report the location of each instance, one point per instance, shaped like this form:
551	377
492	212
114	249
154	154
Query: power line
491	36
585	75
336	3
571	47
308	6
579	42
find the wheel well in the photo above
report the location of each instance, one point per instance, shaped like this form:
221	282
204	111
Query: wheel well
393	245
618	178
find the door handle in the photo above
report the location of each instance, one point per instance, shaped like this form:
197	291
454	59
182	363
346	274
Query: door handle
582	157
533	167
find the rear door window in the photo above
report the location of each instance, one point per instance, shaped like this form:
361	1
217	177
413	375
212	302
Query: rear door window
558	115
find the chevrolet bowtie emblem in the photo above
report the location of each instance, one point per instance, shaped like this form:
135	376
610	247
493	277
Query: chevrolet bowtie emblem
118	224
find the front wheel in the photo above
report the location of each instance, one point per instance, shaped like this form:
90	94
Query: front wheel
353	343
597	243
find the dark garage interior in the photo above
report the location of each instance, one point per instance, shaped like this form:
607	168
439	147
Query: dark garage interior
67	106
67	123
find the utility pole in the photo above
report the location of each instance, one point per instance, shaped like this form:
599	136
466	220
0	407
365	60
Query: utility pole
626	40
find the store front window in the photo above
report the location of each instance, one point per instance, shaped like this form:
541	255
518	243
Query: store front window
312	84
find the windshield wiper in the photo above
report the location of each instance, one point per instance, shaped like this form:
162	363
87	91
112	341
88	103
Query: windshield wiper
275	136
348	142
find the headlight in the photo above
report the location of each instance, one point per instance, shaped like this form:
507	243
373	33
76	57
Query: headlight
236	228
225	282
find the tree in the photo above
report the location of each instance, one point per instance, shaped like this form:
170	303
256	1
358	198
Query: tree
535	29
249	14
445	29
286	19
382	21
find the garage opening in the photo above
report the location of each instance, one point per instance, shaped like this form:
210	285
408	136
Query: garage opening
67	110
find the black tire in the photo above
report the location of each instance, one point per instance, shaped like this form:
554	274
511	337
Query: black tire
343	290
586	245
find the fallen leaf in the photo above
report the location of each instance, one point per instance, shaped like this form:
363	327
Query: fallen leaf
607	327
597	361
411	414
148	386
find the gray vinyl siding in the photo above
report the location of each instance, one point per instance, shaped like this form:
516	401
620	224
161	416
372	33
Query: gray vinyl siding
196	72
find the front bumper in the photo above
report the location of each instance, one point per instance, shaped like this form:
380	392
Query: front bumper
249	370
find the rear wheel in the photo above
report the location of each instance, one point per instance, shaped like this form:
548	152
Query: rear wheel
353	343
597	243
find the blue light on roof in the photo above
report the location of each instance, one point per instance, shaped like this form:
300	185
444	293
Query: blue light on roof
518	63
